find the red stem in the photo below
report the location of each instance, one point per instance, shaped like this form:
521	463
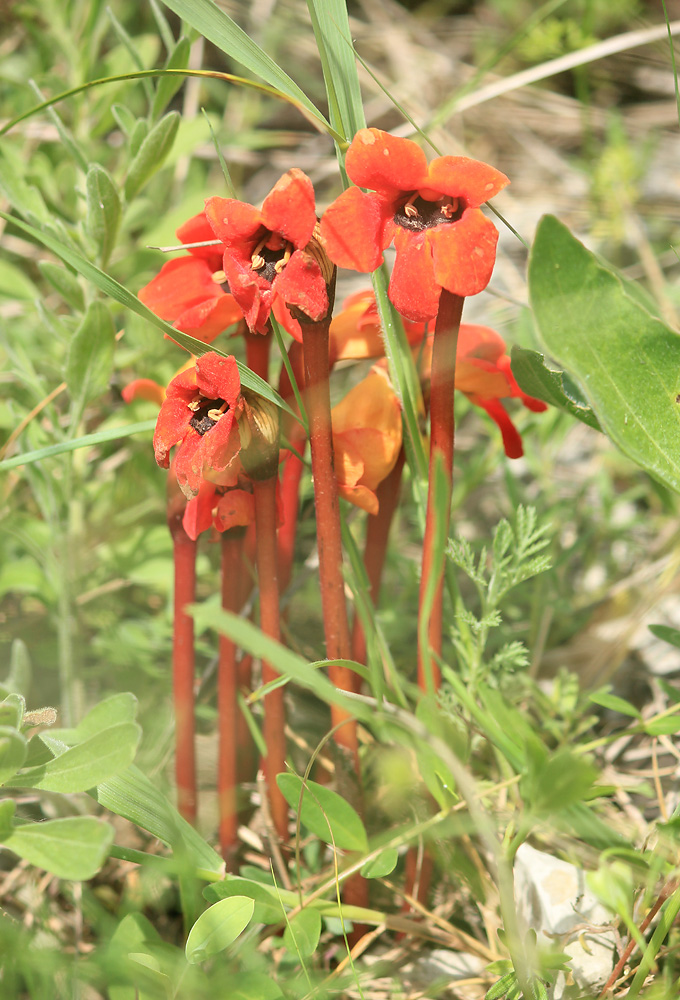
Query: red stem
338	646
291	475
442	384
274	708
183	668
375	550
229	749
257	352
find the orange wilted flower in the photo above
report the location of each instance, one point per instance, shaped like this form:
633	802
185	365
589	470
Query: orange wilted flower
191	292
484	375
355	331
431	213
367	436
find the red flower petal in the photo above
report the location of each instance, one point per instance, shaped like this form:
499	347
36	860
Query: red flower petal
252	293
413	289
198	514
234	221
531	403
197	230
382	162
207	320
282	315
289	208
512	442
171	427
461	177
144	388
179	285
464	253
480	342
352	230
217	377
302	284
235	509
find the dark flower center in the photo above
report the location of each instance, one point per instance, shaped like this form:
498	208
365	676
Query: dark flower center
270	256
418	214
206	414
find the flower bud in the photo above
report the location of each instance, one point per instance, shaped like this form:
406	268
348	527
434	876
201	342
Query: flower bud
259	432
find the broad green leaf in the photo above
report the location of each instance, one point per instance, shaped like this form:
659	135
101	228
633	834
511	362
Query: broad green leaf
626	360
383	865
87	441
167	86
613	702
87	764
12	710
253	986
103	210
556	781
302	933
218	927
61	279
7	810
74	848
134	796
113	710
90	357
215	25
324	813
15	284
665	726
537	378
268	908
152	153
138	135
109	286
13	750
667	633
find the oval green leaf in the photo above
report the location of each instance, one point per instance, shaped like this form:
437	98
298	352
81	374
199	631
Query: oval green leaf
268	908
75	847
90	357
625	359
383	865
218	927
152	153
103	210
13	750
302	933
325	813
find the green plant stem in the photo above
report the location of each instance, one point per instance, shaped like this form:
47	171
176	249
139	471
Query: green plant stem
375	550
183	667
442	427
326	503
229	748
274	708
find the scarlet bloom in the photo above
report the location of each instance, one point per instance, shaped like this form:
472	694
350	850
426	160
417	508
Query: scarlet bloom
367	436
218	507
265	260
431	213
191	292
484	375
200	414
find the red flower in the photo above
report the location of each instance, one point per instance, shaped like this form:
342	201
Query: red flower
355	332
200	414
484	375
191	292
431	213
218	507
264	258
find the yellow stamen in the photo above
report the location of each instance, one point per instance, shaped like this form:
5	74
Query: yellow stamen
410	209
450	209
280	264
219	277
195	404
215	413
256	259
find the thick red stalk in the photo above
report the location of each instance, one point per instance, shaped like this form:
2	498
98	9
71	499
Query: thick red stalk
375	550
229	749
257	352
442	384
183	664
274	708
293	469
317	399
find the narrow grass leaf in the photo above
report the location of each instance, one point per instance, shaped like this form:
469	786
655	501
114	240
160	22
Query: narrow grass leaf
168	86
626	360
538	378
324	813
109	286
302	933
85	765
613	702
74	848
215	25
667	633
135	797
664	726
218	927
87	441
330	24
